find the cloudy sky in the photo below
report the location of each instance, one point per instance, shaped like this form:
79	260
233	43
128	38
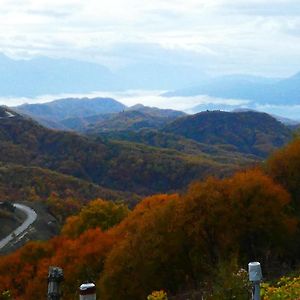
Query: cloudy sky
217	36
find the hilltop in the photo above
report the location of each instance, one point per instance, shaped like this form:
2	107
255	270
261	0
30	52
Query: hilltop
71	107
133	119
246	132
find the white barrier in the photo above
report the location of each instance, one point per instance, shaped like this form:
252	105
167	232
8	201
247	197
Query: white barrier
255	276
87	291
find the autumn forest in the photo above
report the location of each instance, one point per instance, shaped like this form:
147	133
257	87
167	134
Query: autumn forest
175	206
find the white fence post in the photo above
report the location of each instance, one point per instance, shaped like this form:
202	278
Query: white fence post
255	276
87	291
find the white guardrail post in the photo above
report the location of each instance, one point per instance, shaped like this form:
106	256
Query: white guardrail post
87	291
255	276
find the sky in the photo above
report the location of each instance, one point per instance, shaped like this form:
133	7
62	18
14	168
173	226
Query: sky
259	37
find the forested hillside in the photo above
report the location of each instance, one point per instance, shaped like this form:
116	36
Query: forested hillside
177	241
247	132
160	139
25	183
119	165
127	120
197	240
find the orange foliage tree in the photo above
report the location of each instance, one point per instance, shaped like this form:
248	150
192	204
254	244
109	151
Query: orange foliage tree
24	273
19	269
148	257
62	208
284	167
98	213
172	242
169	242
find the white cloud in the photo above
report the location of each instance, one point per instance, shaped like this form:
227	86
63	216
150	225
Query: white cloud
261	7
253	36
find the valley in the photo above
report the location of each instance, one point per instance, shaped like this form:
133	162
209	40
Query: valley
98	177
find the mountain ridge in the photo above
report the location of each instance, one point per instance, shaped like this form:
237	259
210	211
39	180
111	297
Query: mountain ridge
276	91
249	132
102	114
60	109
44	75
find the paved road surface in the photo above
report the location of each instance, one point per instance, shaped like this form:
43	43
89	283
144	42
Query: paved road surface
31	217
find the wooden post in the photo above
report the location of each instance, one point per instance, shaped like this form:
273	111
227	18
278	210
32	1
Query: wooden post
55	277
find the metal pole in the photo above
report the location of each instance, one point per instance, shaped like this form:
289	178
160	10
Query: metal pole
55	277
256	290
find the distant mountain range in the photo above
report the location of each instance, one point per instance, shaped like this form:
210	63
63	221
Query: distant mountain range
29	78
61	109
243	131
43	75
222	135
97	115
139	150
256	89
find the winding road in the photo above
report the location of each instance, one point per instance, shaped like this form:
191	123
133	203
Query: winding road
31	217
